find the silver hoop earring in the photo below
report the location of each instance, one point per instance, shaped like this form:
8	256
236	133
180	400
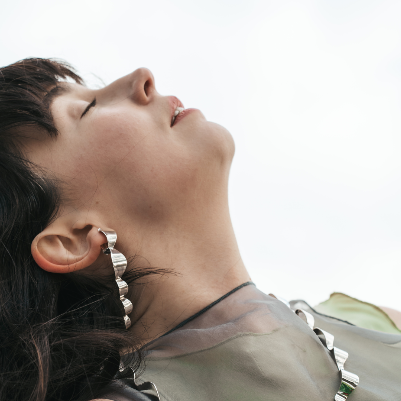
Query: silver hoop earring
119	264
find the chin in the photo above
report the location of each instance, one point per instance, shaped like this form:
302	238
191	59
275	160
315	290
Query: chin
224	141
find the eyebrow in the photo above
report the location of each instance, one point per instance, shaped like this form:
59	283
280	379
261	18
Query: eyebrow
53	93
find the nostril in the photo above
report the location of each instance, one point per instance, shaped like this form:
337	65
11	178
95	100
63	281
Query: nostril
142	85
146	87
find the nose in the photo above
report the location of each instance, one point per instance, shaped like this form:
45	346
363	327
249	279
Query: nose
143	86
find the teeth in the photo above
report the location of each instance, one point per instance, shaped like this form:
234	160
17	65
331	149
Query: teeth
178	110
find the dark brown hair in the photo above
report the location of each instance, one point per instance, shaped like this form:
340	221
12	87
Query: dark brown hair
60	335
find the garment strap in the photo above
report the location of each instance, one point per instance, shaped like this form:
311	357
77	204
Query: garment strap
183	323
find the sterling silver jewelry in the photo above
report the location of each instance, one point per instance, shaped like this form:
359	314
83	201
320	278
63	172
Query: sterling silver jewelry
349	381
119	264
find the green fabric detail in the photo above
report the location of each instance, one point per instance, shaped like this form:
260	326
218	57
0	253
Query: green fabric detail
362	314
345	388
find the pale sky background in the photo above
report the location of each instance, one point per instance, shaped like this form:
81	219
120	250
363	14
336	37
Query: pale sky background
311	92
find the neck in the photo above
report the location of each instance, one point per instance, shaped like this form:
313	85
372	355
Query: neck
203	261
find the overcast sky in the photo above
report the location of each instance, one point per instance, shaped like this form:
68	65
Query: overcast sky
311	92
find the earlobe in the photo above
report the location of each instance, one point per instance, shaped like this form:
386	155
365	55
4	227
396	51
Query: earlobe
57	251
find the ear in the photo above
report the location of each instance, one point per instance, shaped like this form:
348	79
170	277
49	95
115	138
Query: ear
59	249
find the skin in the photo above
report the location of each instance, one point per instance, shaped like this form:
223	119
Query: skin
163	190
395	315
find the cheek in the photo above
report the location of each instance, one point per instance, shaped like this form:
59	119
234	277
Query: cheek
131	162
175	171
157	169
96	155
111	138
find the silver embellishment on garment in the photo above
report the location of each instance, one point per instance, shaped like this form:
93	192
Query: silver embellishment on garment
349	381
147	388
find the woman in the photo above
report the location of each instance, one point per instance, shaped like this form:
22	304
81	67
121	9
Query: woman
78	165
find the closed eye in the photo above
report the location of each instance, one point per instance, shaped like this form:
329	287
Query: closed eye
93	104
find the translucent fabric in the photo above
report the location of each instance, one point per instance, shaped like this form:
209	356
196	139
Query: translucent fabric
251	346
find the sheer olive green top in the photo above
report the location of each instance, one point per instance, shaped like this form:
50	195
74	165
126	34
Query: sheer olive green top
252	347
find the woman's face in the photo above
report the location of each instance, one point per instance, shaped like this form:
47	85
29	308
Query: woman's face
117	150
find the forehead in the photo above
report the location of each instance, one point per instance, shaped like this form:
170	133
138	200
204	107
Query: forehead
67	90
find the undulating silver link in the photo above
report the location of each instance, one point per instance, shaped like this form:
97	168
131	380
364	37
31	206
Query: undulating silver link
349	381
340	357
283	300
326	338
111	238
122	286
119	265
340	397
127	305
306	317
127	321
119	262
148	388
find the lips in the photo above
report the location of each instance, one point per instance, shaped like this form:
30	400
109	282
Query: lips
174	103
183	114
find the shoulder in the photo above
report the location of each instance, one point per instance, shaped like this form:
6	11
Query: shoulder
395	315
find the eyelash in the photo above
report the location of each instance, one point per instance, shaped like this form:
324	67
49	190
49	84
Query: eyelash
93	104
